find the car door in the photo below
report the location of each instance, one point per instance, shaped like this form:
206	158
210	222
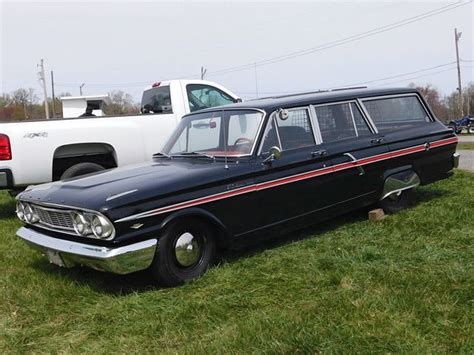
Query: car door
349	140
297	183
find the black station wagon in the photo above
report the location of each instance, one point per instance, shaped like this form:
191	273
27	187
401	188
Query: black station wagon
238	173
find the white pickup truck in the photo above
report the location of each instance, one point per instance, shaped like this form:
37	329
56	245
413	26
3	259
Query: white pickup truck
34	152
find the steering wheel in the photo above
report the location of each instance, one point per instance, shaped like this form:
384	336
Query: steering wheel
243	140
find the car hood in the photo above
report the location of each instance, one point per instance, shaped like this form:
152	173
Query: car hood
129	185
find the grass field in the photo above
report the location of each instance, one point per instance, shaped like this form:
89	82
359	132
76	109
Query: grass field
405	284
465	146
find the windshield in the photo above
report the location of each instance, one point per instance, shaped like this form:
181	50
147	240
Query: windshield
219	133
157	100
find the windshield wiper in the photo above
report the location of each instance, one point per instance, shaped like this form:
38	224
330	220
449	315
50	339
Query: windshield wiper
161	155
194	154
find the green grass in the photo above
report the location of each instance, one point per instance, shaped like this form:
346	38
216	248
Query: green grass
465	146
405	284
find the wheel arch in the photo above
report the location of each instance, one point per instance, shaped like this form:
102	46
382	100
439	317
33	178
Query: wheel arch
399	179
222	233
68	155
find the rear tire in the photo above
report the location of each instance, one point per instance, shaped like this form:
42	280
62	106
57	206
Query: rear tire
397	202
185	251
81	169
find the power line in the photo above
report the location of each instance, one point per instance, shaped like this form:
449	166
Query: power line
307	51
416	77
345	40
367	82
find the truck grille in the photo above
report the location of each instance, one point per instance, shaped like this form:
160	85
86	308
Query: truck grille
54	219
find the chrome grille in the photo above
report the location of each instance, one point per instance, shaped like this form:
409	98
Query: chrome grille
54	218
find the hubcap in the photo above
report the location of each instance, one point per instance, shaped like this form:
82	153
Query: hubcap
187	250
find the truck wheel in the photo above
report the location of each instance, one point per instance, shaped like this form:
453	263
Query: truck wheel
397	202
185	250
81	169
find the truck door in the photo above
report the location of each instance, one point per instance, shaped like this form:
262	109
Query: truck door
201	96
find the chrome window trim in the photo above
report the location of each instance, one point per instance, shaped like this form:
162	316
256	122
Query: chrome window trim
353	120
257	135
317	131
392	96
367	117
273	117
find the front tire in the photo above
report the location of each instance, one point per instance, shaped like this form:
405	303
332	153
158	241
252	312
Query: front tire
185	251
397	202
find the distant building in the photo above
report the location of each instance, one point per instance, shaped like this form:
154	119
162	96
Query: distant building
74	106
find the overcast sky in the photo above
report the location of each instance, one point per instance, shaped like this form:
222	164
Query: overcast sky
127	45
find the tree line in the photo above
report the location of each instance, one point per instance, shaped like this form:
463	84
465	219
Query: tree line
23	104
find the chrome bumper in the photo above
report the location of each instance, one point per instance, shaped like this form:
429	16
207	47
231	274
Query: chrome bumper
122	260
456	157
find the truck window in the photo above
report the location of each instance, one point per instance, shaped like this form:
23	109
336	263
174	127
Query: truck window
395	113
341	121
203	96
157	100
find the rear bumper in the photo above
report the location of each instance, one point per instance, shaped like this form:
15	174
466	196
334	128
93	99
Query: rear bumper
456	157
6	179
122	260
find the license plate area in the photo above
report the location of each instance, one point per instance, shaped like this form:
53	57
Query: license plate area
55	258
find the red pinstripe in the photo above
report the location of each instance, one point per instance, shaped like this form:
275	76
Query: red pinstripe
293	178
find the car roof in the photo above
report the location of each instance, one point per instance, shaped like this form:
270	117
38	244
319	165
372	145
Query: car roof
319	97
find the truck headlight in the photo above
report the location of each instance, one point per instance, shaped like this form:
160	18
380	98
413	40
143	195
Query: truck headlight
29	214
101	227
80	224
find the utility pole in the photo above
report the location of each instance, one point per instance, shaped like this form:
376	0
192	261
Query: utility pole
43	80
52	93
203	72
256	79
80	88
457	36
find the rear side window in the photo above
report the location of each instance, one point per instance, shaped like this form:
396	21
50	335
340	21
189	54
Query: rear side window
341	121
396	113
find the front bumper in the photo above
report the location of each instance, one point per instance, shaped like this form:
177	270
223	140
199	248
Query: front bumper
121	260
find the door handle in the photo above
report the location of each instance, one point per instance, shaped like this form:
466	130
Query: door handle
377	140
319	153
354	161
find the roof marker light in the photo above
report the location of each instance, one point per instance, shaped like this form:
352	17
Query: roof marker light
155	85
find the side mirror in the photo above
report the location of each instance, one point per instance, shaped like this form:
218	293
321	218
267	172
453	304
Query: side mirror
275	153
238	99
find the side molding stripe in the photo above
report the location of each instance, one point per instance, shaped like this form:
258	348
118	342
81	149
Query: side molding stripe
289	179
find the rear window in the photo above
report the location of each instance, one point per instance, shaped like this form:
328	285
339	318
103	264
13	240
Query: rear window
157	100
396	113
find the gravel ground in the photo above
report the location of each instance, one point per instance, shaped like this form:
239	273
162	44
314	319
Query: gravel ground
466	161
466	138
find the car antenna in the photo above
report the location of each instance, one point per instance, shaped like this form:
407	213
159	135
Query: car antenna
226	166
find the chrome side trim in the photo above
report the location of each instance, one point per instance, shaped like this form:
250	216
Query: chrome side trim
121	260
399	182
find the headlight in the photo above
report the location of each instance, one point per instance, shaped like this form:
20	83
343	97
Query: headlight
29	214
81	225
20	211
101	227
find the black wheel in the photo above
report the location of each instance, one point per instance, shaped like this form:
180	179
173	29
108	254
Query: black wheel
397	201
81	169
185	250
